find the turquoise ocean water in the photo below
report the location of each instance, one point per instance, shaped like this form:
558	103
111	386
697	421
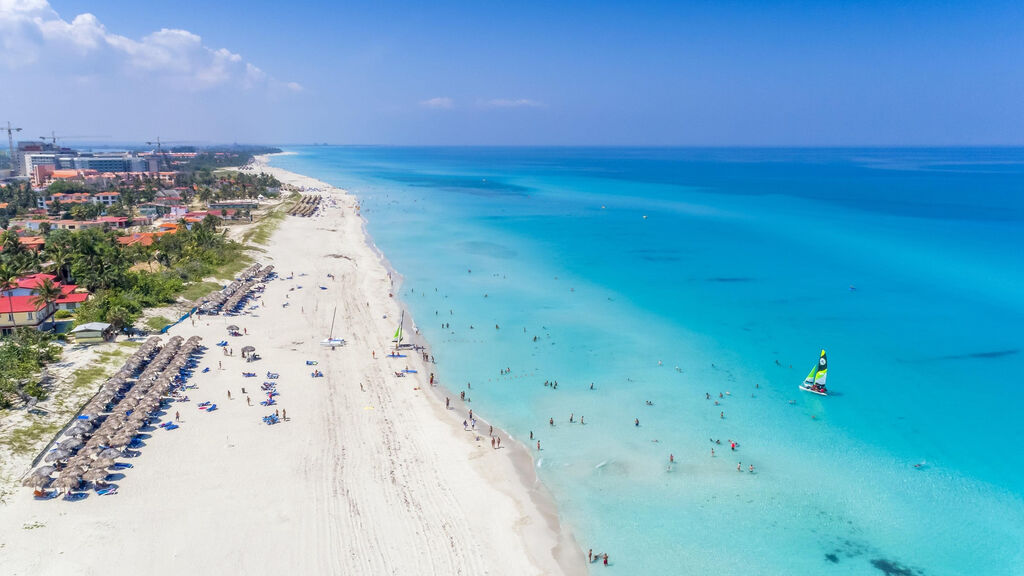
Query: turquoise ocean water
669	274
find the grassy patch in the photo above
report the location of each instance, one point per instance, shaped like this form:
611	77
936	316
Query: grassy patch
197	290
24	440
129	343
88	376
261	233
231	269
157	322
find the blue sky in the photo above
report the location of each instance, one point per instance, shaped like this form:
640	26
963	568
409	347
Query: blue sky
640	73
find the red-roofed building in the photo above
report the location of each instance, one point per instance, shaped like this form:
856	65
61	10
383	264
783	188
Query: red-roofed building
140	238
33	243
18	307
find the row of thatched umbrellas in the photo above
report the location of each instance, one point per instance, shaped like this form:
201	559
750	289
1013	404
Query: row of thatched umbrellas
89	450
306	206
260	276
237	289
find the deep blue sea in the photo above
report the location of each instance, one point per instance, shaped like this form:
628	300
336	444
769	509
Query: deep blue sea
671	275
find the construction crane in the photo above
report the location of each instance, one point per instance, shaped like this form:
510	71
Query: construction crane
160	150
53	138
160	154
10	144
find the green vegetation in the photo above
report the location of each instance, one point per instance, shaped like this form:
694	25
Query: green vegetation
156	323
22	356
261	233
197	290
24	440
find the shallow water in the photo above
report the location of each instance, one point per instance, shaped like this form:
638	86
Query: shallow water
666	274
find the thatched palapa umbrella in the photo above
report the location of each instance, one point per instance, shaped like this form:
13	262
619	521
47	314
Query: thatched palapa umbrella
67	483
110	453
44	471
36	481
90	450
56	455
71	443
96	475
102	463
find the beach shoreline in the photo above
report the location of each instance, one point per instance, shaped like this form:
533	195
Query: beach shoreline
367	474
565	550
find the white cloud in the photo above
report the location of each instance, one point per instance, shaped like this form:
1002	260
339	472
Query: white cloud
512	103
32	33
439	103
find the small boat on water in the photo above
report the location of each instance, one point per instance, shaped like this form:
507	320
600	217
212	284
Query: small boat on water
815	381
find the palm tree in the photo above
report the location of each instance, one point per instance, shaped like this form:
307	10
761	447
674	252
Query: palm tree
46	293
60	256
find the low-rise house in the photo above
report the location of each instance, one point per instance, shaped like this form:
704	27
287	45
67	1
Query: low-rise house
24	311
93	333
19	306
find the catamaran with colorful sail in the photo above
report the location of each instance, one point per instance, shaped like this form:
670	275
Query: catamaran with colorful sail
397	338
815	381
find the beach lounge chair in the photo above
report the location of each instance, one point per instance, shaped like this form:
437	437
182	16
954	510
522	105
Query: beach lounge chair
44	494
273	375
311	362
205	370
249	374
172	427
107	491
121	466
204	404
211	408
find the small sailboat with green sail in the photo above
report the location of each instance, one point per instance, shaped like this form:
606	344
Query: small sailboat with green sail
815	381
397	338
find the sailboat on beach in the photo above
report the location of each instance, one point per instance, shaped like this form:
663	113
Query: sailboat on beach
815	381
397	339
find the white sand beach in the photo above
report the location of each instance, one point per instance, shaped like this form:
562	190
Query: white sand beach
369	474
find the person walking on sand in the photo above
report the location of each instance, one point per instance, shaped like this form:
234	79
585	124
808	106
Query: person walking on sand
177	416
447	403
220	365
490	430
492	442
499	441
229	394
590	555
284	414
248	401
